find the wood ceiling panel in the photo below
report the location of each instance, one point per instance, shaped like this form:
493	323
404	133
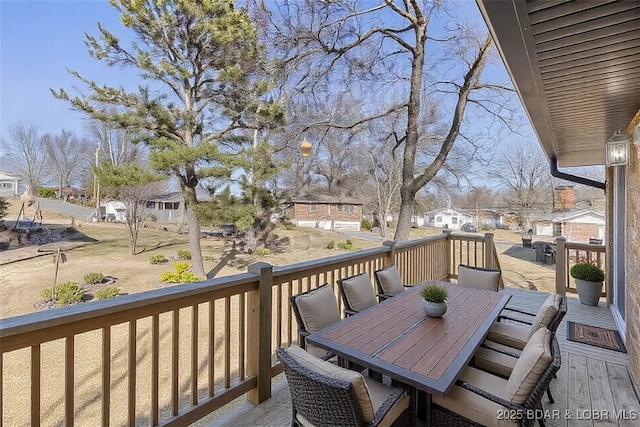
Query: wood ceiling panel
630	74
536	5
565	10
632	50
583	22
605	51
630	35
594	68
610	32
596	91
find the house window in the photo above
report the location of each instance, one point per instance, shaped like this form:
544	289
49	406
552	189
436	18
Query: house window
439	218
171	205
454	220
313	208
5	185
151	205
346	208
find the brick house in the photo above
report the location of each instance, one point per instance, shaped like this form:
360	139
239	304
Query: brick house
576	225
326	212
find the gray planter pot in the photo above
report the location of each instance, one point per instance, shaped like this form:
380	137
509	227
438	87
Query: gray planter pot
434	309
588	292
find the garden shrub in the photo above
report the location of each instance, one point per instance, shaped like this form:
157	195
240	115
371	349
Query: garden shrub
366	225
264	252
184	254
108	292
181	274
66	293
153	218
47	192
331	244
157	259
93	278
347	245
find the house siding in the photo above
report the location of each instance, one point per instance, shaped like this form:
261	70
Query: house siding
579	231
633	263
325	216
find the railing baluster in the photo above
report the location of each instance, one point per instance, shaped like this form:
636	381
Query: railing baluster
132	365
194	354
211	350
155	368
1	387
106	376
241	336
279	314
227	342
175	353
35	385
69	382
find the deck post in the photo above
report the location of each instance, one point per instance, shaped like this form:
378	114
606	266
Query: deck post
391	255
489	251
561	266
259	333
447	254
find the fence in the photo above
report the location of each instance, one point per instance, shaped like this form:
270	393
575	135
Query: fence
171	356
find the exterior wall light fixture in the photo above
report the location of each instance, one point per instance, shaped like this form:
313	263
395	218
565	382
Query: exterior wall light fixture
618	149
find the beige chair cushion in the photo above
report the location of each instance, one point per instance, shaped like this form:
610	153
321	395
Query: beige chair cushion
509	334
379	393
480	278
332	371
494	361
546	313
359	292
390	280
475	407
531	364
318	308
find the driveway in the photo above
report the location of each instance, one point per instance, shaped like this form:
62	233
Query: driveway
79	212
364	235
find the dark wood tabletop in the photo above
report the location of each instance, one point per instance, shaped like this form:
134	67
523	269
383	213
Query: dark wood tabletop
397	339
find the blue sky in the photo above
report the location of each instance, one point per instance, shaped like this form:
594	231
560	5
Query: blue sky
39	40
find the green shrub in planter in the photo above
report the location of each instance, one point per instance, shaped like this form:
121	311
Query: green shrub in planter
587	271
93	278
157	259
434	293
108	292
184	254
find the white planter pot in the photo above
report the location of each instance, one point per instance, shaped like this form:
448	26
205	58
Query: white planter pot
588	292
434	309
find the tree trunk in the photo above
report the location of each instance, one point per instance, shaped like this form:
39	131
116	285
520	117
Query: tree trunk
193	227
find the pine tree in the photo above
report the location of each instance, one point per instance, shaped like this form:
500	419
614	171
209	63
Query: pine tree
206	68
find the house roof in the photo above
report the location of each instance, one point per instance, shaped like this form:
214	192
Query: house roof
443	210
7	177
324	199
574	65
566	216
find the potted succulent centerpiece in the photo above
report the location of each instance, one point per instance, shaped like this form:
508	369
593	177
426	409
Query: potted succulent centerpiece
434	302
589	278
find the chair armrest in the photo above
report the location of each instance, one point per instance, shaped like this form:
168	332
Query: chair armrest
489	396
513	353
388	404
348	312
514	319
519	311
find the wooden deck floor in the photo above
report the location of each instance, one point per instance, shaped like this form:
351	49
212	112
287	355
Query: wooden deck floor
593	387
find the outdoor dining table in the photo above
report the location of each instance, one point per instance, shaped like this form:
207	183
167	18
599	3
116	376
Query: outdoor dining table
397	339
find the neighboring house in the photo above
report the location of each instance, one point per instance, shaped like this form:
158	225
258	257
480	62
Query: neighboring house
449	217
8	185
113	211
326	212
576	225
166	206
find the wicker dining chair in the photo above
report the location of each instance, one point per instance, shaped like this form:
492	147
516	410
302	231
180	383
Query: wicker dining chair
480	398
499	357
357	293
480	278
323	394
314	310
389	282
